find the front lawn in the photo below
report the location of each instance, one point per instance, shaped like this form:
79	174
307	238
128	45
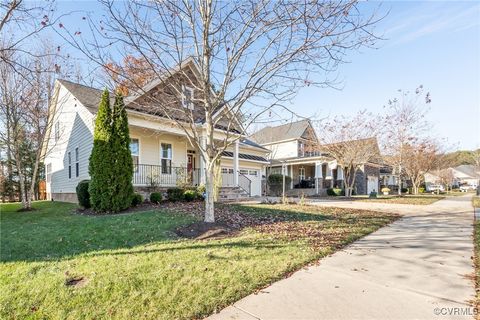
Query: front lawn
406	199
60	265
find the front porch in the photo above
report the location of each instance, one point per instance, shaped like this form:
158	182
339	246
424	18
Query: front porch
167	160
311	178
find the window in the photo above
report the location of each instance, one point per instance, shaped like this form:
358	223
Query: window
253	172
301	174
166	158
134	151
77	163
227	170
69	165
187	97
301	149
57	131
243	171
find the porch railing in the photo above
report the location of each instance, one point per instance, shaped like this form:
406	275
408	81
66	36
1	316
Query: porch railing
166	176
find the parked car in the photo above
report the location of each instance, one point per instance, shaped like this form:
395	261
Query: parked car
435	188
467	187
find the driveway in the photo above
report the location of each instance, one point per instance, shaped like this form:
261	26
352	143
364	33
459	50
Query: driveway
418	267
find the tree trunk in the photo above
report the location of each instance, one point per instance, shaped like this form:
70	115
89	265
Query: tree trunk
34	177
25	198
399	180
210	193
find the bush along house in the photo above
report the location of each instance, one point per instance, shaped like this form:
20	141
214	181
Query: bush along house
296	152
162	155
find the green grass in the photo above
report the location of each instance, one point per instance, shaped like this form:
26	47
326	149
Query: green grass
476	202
135	267
406	199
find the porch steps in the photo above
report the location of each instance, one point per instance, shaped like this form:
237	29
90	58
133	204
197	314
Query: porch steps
232	194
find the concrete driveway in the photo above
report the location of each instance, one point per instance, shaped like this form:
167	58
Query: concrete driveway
419	267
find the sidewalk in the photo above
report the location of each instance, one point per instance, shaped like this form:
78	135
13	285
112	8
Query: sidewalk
415	268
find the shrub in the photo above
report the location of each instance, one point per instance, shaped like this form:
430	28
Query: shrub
385	189
175	194
200	192
421	190
335	192
372	194
155	197
83	195
275	182
189	195
137	199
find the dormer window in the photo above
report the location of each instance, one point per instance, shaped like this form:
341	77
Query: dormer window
187	97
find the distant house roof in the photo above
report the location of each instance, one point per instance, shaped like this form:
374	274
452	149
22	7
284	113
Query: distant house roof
468	170
293	130
371	143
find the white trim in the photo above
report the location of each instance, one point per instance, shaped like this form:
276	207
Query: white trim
69	165
192	93
139	148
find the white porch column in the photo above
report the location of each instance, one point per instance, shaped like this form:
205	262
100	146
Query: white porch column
291	176
203	144
235	163
318	176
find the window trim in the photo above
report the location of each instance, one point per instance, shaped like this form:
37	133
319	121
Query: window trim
192	92
77	161
69	164
300	169
171	157
139	151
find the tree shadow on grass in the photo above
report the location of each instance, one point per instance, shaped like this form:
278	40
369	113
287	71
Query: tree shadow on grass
54	233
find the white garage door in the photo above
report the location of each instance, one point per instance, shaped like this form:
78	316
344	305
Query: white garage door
372	184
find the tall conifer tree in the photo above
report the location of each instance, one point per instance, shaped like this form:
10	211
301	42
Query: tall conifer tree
123	166
101	159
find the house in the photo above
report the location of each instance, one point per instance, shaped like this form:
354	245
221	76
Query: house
466	175
295	150
463	175
163	156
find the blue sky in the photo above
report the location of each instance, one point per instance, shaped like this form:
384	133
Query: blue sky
433	43
436	44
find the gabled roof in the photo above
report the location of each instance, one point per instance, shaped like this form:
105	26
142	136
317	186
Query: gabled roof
88	96
293	130
468	170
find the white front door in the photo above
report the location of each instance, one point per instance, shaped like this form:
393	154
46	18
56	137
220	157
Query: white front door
372	184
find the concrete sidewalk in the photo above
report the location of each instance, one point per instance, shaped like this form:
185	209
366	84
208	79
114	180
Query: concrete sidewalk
417	268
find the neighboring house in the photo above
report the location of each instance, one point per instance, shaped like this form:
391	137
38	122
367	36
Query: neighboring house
459	176
161	153
466	175
295	151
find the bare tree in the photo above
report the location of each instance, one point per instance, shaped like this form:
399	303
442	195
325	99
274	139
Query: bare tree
405	124
250	57
21	23
25	96
419	158
352	142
